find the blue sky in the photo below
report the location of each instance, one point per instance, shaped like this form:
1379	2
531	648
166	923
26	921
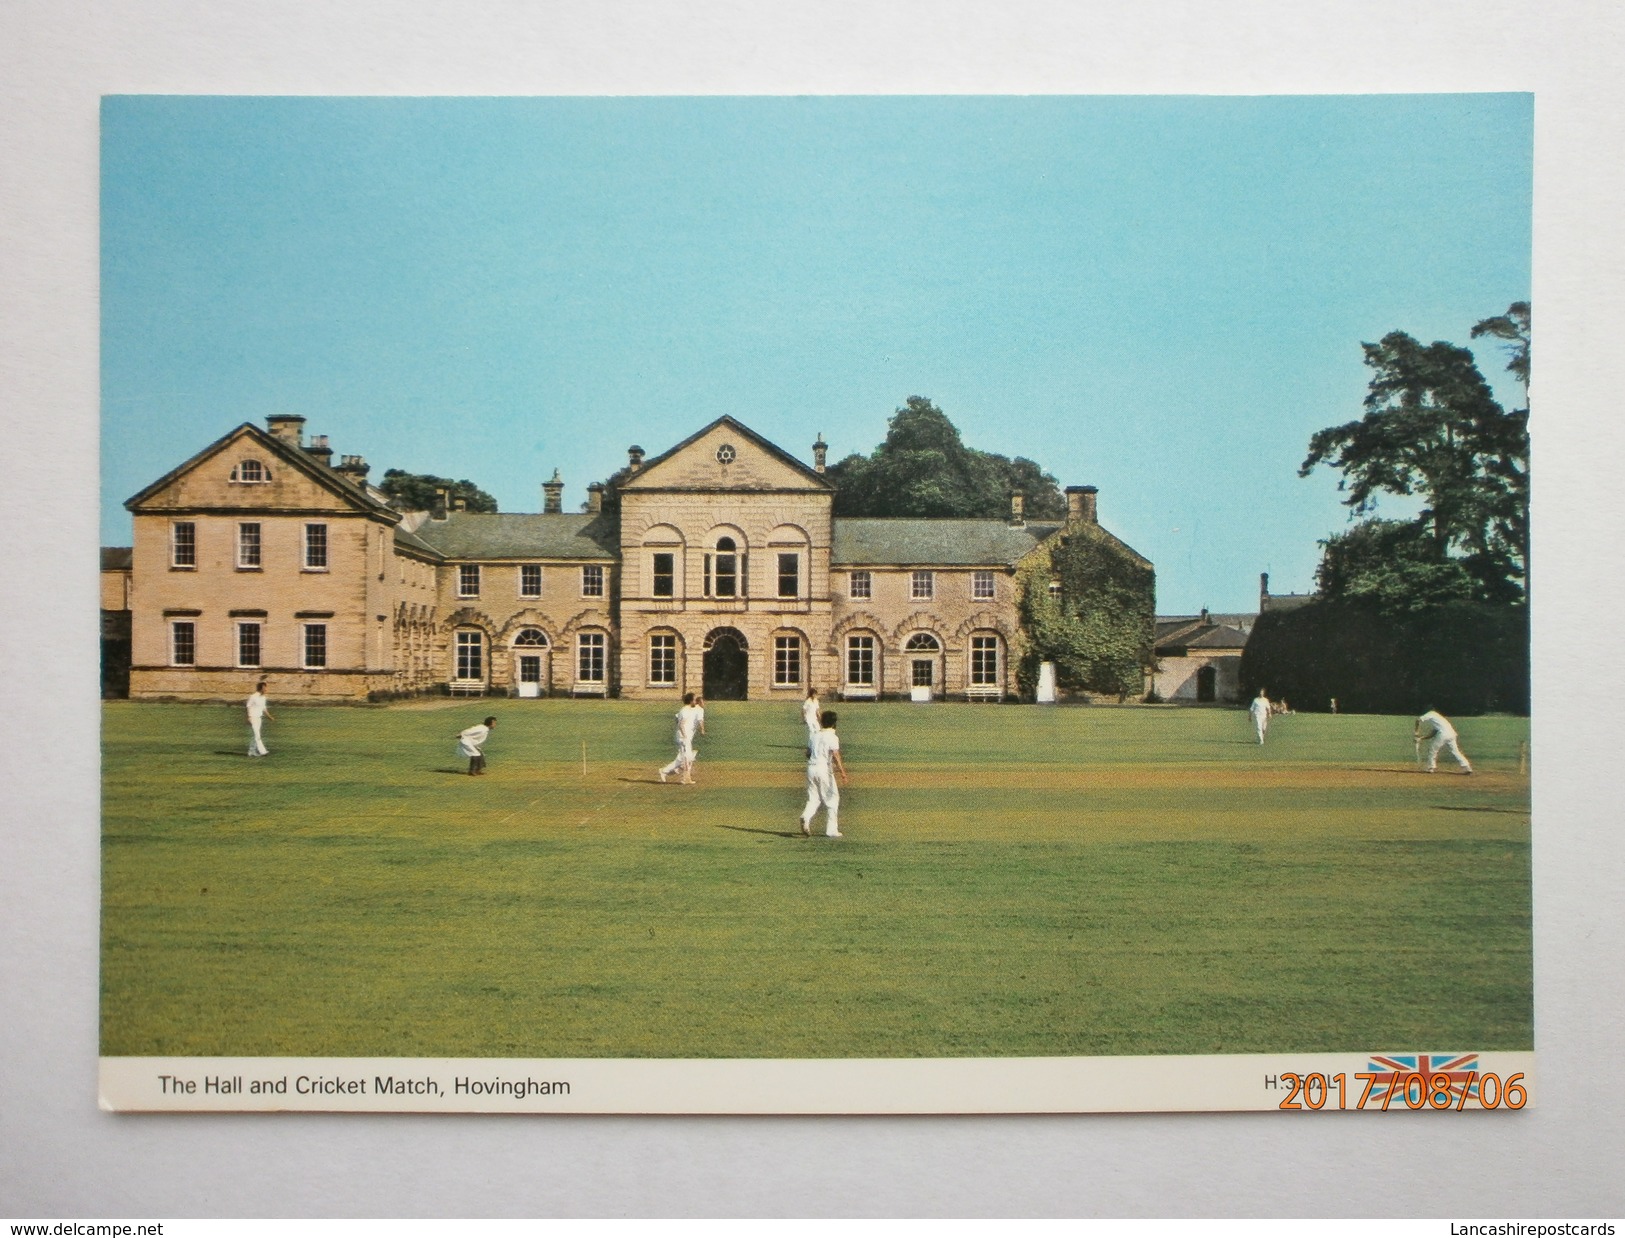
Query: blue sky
1163	297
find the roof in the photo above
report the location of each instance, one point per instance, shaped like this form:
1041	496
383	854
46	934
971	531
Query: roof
932	541
1284	601
1233	619
514	535
116	558
1196	634
362	495
404	537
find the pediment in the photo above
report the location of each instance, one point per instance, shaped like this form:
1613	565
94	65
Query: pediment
249	470
726	456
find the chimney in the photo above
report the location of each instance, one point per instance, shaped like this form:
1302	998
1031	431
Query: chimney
820	447
355	468
459	503
1018	510
288	427
595	498
1263	591
1080	504
634	458
319	449
1204	616
553	495
438	511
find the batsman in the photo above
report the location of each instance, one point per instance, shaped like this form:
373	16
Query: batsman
1441	736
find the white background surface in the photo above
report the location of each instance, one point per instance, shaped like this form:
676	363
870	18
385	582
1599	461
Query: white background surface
61	1158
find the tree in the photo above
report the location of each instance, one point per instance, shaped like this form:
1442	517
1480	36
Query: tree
415	492
1389	565
1432	428
924	469
1512	326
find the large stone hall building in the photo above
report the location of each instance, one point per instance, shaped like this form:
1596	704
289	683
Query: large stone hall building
726	572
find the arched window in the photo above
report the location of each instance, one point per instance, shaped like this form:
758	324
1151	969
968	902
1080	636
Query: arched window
250	472
724	569
663	561
922	642
788	545
530	638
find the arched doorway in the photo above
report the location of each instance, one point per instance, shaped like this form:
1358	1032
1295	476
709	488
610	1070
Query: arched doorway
1207	679
921	651
530	662
727	665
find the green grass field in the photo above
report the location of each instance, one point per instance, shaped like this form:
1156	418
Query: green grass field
1015	881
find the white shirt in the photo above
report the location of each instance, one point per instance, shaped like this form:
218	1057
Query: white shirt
1435	723
818	757
1260	707
257	705
689	718
809	713
470	740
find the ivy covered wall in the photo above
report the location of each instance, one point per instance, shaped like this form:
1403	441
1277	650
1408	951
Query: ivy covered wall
1100	631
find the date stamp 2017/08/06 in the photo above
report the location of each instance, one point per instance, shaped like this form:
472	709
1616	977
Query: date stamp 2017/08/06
1404	1087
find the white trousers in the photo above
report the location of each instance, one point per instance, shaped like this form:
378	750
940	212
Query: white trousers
683	762
821	789
256	745
1441	743
1261	723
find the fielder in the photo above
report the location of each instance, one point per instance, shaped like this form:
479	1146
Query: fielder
1260	710
469	744
1441	736
699	729
689	719
259	709
811	711
823	762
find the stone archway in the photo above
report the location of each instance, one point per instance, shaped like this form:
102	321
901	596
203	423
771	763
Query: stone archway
726	666
1207	685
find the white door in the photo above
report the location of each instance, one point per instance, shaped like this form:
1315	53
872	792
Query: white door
530	674
922	678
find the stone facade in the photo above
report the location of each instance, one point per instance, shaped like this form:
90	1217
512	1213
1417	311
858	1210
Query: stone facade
720	569
258	560
1199	658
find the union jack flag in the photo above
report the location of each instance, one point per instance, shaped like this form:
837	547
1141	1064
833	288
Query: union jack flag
1393	1070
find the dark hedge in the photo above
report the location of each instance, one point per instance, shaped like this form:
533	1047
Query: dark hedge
1464	658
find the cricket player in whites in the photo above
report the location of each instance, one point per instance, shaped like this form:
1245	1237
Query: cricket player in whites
470	743
1260	710
823	763
811	712
689	719
259	709
1435	728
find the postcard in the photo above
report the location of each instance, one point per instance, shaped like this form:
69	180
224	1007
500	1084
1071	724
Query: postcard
816	605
